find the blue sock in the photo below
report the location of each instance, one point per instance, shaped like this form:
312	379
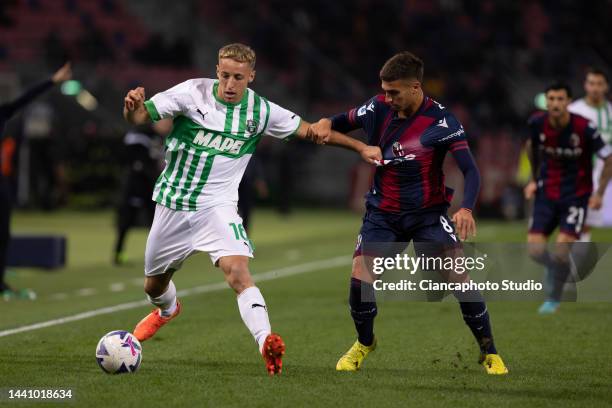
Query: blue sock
363	312
476	316
559	273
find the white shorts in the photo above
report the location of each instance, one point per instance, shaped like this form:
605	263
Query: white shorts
176	235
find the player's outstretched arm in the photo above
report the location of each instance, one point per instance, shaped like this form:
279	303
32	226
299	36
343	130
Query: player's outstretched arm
371	154
307	131
596	199
134	111
8	109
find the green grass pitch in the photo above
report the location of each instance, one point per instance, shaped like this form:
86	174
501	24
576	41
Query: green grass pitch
206	357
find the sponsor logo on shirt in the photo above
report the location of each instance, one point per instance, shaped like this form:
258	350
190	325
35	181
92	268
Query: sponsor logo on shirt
203	114
562	152
218	142
571	152
454	134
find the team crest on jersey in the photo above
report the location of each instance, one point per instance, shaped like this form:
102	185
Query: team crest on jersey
574	140
398	149
252	125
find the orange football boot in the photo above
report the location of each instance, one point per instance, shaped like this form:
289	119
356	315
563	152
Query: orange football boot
147	327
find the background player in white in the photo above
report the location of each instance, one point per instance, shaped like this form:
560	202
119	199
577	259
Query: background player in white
596	107
216	127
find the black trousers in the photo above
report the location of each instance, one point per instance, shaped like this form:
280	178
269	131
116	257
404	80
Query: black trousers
6	204
127	217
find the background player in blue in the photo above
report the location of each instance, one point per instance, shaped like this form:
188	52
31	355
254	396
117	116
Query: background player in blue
561	146
408	199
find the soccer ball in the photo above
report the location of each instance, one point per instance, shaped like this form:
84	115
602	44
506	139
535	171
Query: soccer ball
119	352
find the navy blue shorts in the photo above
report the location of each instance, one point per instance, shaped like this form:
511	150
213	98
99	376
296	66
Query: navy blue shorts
433	227
569	215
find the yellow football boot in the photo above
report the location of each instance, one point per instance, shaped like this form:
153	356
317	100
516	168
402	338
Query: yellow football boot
494	364
353	358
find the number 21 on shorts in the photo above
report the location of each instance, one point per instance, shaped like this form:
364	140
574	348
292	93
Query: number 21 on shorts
576	217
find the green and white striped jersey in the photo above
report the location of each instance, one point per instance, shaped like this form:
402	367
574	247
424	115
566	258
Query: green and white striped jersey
601	117
211	141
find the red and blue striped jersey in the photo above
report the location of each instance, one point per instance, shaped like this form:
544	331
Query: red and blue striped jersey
413	149
565	155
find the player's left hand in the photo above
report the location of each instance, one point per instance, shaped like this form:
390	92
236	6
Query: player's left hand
595	201
464	223
371	154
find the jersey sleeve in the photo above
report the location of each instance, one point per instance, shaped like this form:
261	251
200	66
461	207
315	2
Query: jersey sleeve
575	106
282	123
355	118
598	146
533	128
170	103
446	132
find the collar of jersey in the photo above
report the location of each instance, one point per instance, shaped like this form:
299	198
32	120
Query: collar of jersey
415	114
221	101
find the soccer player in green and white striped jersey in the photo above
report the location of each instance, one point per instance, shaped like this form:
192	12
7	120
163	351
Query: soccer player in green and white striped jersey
596	107
217	125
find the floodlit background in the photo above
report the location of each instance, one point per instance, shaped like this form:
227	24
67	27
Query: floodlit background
65	156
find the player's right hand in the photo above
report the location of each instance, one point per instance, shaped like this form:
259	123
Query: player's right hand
595	201
134	99
63	74
322	130
530	190
371	154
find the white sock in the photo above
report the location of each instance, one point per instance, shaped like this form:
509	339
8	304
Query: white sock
166	302
254	314
585	237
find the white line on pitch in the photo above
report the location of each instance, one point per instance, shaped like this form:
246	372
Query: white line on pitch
260	277
117	287
86	292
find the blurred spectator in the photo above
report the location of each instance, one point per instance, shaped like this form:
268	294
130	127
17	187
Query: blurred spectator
157	52
5	19
7	110
252	185
142	152
93	47
55	50
41	142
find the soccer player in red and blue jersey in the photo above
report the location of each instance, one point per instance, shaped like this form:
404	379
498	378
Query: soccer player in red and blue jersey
409	200
561	146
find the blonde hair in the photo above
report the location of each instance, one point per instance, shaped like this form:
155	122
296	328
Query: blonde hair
238	52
